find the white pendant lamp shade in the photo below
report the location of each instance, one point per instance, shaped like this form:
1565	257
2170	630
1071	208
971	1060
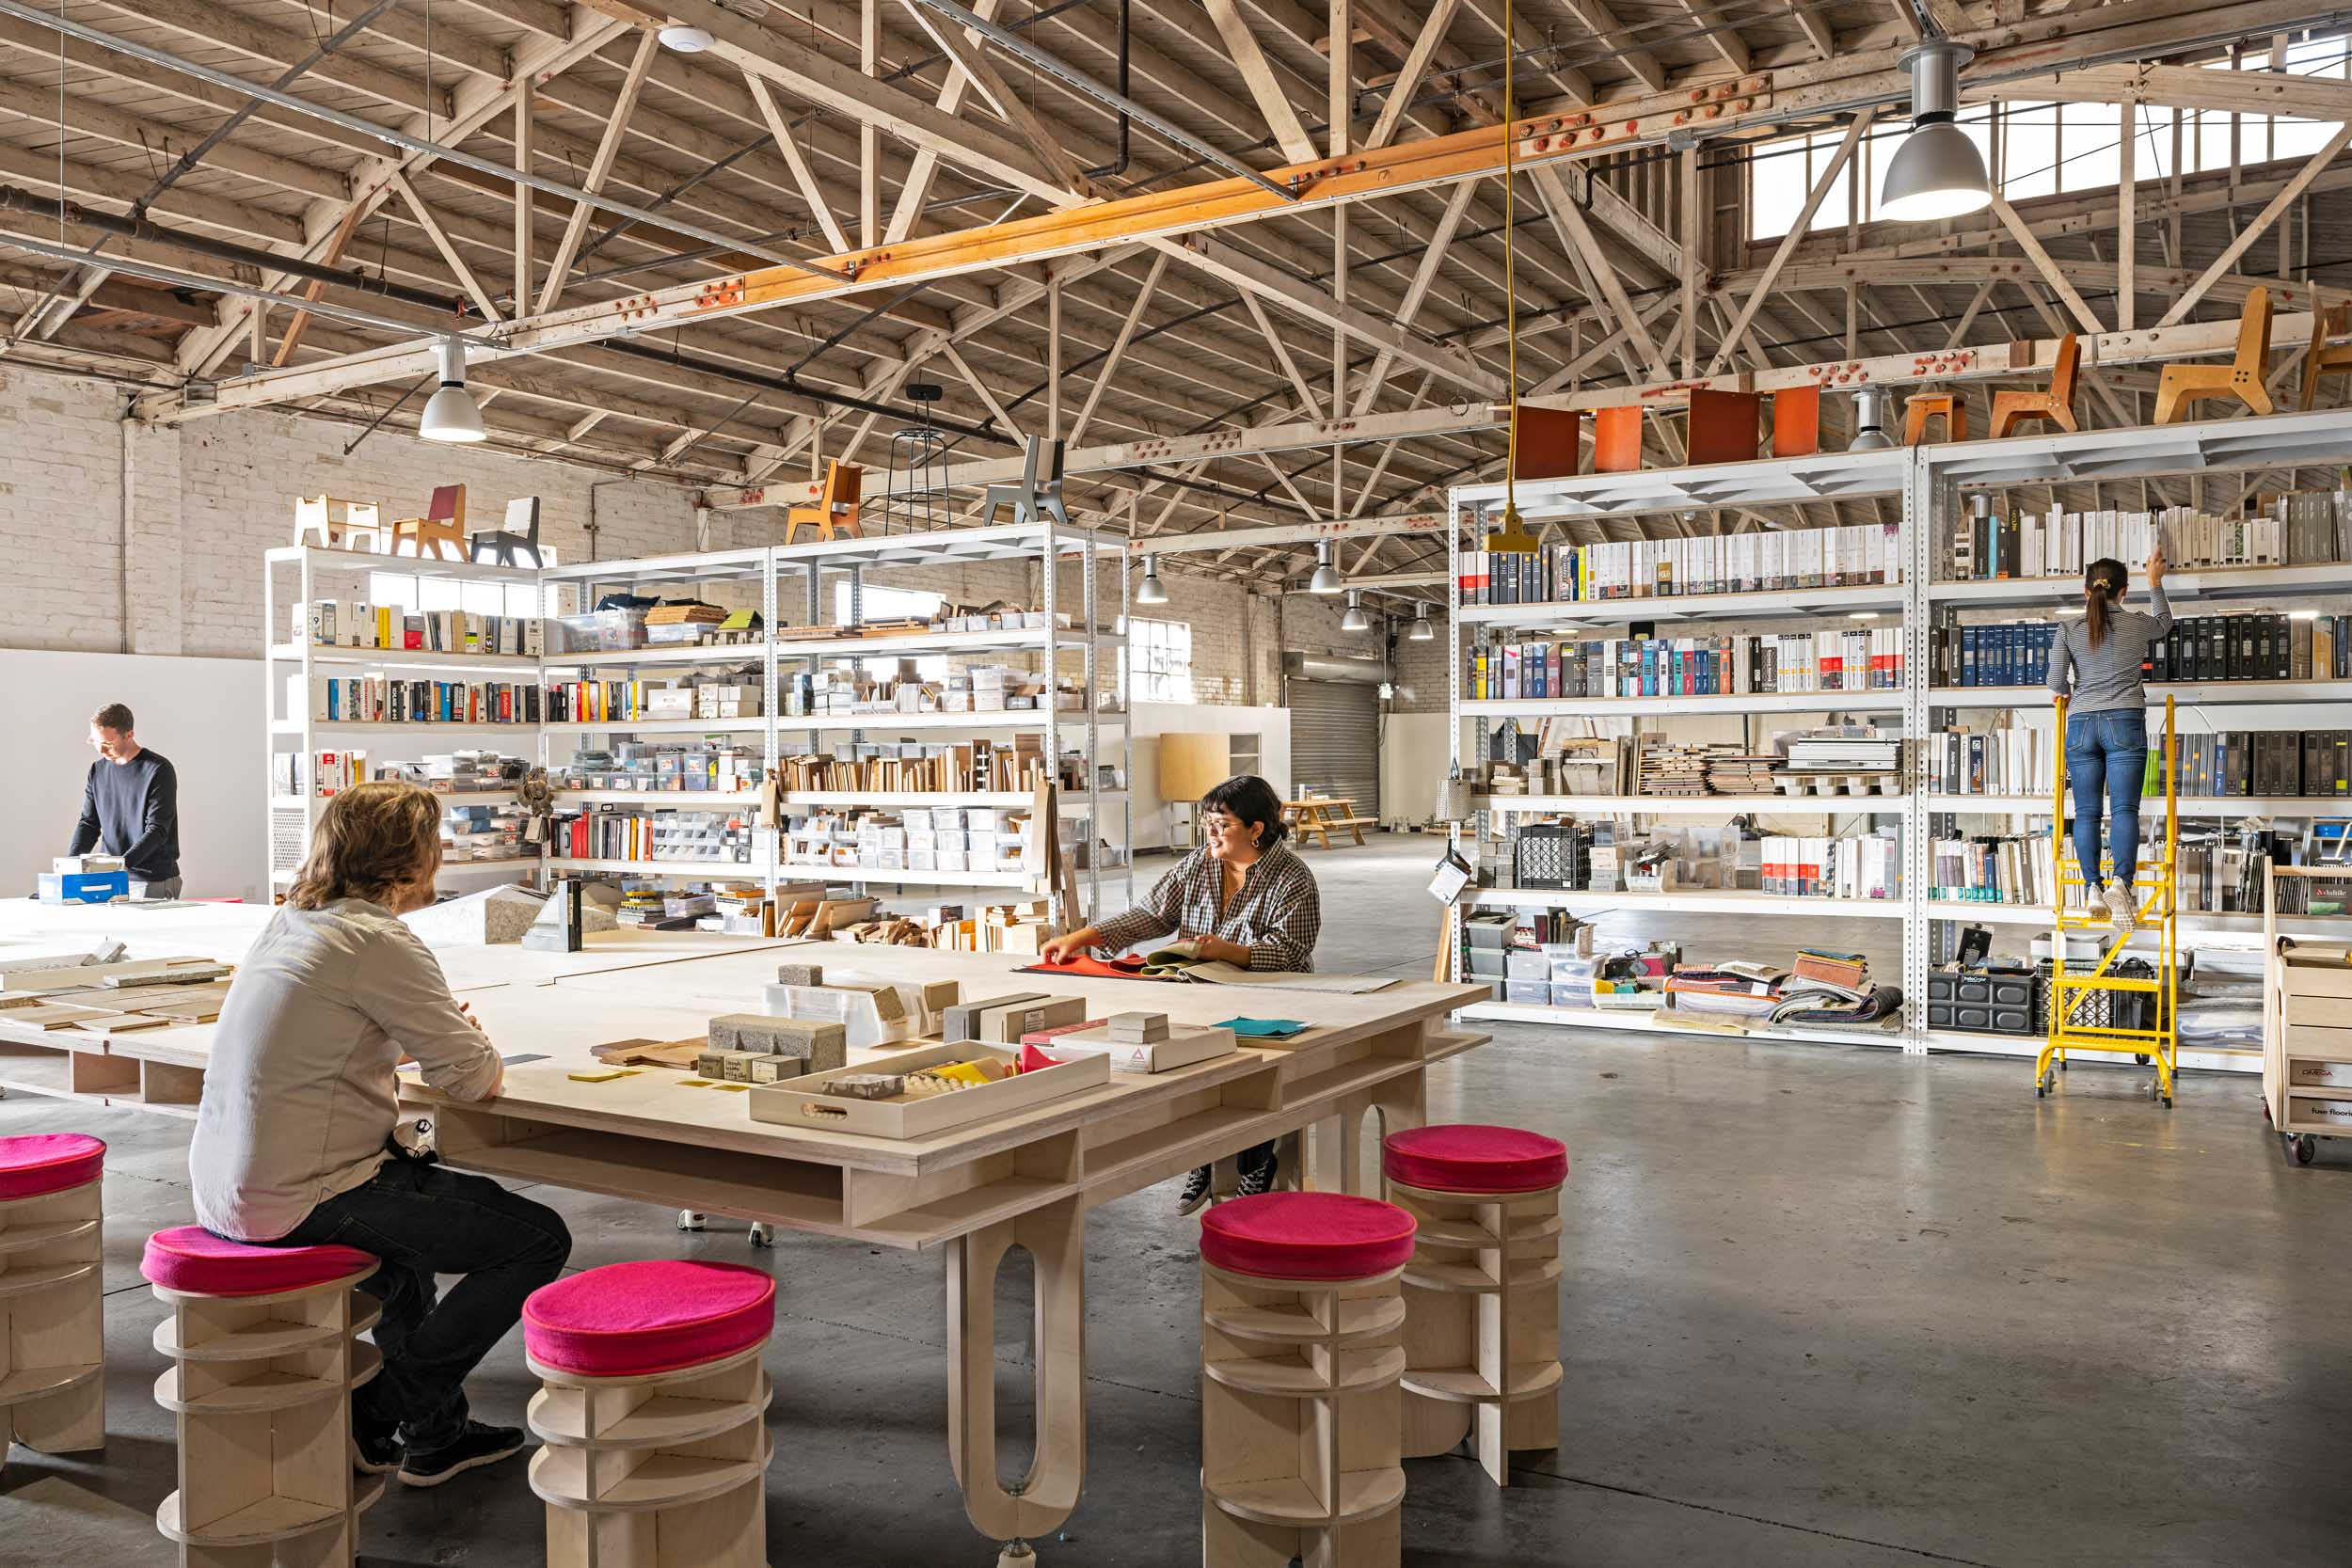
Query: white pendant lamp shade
1869	422
1327	578
450	414
1423	629
1355	620
685	39
1151	589
1937	172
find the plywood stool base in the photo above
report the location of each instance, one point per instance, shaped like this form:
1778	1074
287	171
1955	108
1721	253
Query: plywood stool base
668	1470
1298	1383
52	1369
260	1385
1482	1336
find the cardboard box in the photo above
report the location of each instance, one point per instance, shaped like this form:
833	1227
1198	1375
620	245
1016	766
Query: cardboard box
1005	1024
1184	1047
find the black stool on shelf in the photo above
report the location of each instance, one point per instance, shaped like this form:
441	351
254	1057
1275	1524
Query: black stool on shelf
915	488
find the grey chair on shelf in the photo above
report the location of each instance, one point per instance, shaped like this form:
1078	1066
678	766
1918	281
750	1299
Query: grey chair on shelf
1035	493
517	531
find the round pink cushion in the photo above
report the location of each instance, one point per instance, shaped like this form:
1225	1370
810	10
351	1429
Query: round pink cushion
1307	1236
42	1163
633	1320
194	1260
1467	1158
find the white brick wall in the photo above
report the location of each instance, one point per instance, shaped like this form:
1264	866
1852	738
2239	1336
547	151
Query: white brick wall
206	498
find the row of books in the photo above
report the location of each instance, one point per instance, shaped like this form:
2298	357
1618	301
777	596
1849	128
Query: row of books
1869	866
2215	872
2008	653
721	837
2299	529
2314	765
326	623
380	700
1651	568
608	702
2009	868
1837	660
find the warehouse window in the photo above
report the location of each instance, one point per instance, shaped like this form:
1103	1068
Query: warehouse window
2049	149
408	593
890	604
1157	661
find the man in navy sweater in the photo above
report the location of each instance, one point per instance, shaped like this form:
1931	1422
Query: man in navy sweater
131	806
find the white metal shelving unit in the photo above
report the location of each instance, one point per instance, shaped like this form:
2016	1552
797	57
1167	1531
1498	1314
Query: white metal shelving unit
809	570
290	726
1929	481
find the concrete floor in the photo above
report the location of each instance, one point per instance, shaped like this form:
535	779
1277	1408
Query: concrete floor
1824	1307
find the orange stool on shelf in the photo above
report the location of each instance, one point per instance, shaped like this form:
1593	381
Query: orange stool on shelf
652	1415
52	1353
1300	1325
2180	388
1922	407
1481	1334
265	1350
2055	404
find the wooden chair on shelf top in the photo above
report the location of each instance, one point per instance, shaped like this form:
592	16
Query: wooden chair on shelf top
834	516
2056	403
2323	358
334	524
443	525
518	530
2241	378
1922	407
1036	492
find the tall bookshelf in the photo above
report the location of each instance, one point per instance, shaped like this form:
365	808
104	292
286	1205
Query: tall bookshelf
294	577
762	578
1924	488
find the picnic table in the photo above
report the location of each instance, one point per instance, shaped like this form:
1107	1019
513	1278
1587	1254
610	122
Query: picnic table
1320	814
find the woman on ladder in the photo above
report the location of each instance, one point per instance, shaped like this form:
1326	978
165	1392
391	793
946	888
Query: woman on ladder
2095	663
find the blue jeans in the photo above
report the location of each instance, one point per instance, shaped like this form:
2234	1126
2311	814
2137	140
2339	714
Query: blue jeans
2108	750
423	1219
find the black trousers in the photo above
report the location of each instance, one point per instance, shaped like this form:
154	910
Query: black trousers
424	1219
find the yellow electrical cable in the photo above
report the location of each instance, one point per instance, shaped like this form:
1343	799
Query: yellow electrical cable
1510	271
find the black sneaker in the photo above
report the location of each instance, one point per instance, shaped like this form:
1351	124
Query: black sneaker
1258	1179
375	1452
1196	1190
476	1446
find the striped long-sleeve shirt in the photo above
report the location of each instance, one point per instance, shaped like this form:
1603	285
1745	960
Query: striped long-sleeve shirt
2105	679
1278	914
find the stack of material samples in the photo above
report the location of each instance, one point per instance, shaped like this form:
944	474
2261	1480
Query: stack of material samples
1735	772
1740	989
1146	1042
1834	989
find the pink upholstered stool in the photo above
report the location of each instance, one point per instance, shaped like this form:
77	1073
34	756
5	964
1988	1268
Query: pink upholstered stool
53	1357
1300	1351
265	1350
1482	1338
654	1452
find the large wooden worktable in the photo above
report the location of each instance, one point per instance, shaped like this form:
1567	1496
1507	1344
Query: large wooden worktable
1027	1180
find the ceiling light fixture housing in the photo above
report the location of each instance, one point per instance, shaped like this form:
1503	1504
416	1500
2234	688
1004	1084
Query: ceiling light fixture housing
1327	578
685	39
1151	589
1355	620
1937	172
450	414
1869	422
1425	630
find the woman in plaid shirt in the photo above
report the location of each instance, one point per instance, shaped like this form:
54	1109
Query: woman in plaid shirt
1243	899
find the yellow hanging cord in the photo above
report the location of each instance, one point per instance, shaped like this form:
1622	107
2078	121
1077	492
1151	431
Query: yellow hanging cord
1512	528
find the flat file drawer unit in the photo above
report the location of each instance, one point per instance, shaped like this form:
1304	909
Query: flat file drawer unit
2307	1029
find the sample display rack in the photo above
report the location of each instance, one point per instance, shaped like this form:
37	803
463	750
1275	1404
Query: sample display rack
758	577
1928	482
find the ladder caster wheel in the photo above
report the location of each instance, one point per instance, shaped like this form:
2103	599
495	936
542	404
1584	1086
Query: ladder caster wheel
2305	1147
2167	1102
689	1219
2062	1064
761	1236
2140	1056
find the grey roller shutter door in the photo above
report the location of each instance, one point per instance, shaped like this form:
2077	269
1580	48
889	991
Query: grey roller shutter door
1335	741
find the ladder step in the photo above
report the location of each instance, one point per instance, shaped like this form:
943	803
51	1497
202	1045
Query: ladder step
2103	982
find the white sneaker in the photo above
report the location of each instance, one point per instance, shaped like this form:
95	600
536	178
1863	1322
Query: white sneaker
2122	906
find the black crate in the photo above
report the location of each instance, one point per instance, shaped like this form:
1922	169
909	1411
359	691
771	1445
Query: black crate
2111	1009
1552	855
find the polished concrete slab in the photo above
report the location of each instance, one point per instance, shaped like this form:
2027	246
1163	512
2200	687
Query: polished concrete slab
1825	1308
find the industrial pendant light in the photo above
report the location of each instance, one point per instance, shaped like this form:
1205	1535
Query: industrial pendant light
1355	620
1869	422
450	414
1425	630
1937	172
1151	589
1327	578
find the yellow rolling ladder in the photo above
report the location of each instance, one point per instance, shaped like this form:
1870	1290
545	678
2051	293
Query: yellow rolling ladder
2159	912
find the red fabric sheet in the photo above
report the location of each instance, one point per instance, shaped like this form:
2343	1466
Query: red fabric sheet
1098	969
